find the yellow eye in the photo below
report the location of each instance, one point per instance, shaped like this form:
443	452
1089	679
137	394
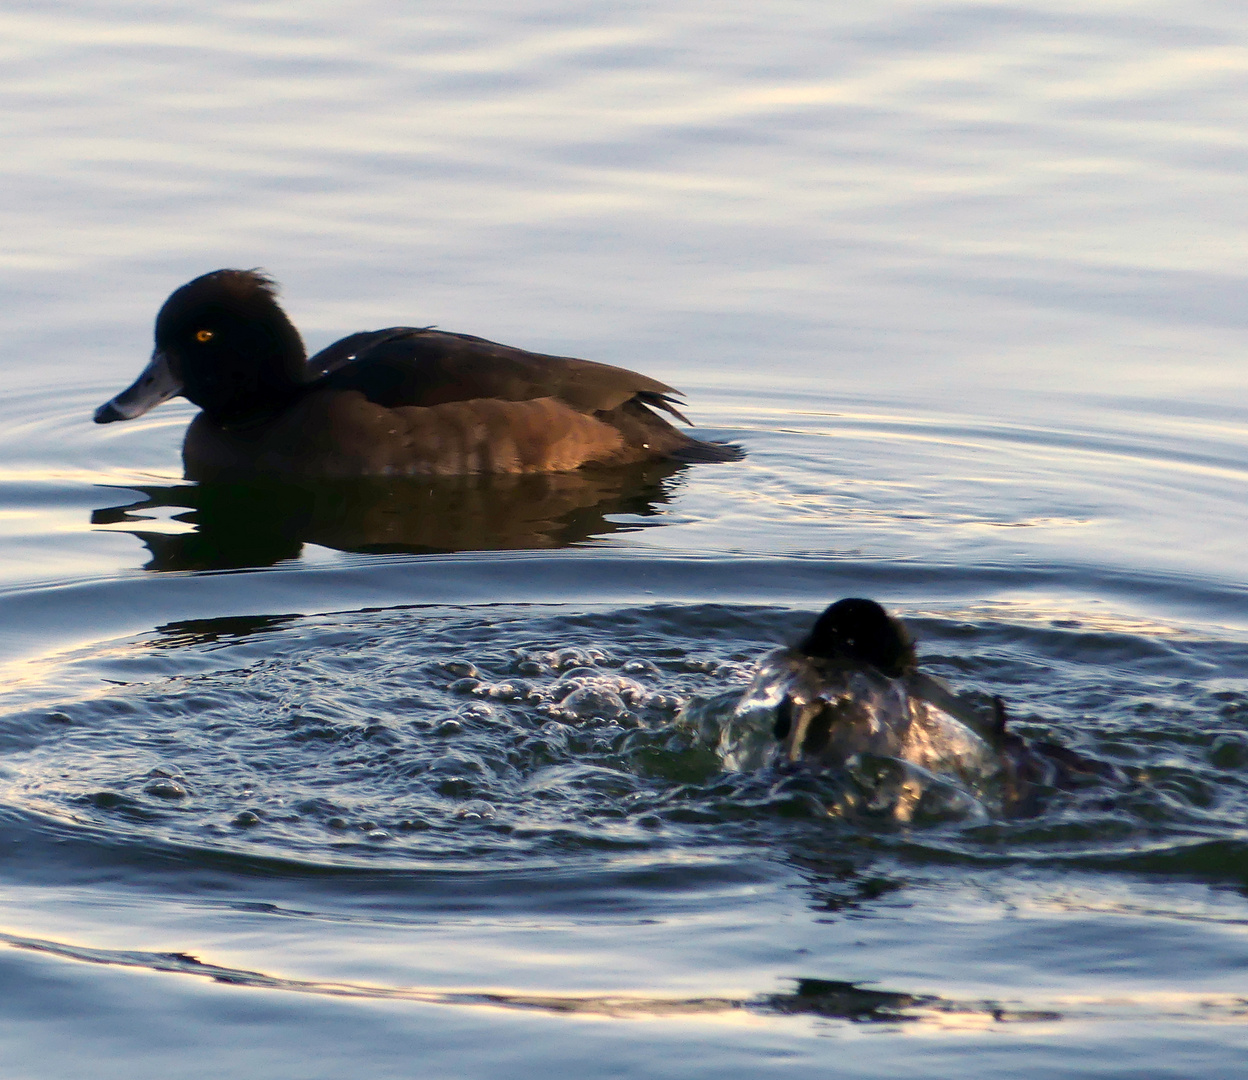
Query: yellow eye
203	335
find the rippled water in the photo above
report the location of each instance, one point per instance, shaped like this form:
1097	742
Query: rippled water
390	778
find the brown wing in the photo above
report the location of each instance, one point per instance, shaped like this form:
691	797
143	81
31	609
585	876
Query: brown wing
409	366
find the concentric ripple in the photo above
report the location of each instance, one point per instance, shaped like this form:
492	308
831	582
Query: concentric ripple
467	737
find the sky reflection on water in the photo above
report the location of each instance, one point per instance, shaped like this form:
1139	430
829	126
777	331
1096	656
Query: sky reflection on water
967	282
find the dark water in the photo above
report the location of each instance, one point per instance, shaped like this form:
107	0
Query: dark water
396	779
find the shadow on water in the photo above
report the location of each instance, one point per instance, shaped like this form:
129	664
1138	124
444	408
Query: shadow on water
254	524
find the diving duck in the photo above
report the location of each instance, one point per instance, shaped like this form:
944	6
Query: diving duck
852	687
404	401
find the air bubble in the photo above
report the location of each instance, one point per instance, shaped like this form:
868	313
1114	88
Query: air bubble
476	810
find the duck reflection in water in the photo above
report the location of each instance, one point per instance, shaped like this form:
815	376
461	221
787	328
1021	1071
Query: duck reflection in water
850	698
263	522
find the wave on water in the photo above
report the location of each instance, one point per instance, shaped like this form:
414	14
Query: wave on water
477	738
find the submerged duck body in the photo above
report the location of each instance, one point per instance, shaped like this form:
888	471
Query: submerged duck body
852	690
403	401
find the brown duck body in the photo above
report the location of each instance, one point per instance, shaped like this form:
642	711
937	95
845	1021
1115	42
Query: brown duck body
415	402
397	402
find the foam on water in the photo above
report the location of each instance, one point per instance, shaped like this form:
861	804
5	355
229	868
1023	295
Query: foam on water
436	737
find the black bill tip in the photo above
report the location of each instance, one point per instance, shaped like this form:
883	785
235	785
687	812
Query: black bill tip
107	413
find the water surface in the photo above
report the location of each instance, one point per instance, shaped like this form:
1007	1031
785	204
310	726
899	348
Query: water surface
964	280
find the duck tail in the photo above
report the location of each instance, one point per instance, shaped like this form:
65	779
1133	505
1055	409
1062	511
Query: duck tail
696	452
679	446
666	402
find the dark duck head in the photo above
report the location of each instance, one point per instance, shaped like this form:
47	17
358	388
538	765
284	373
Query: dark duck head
224	343
859	631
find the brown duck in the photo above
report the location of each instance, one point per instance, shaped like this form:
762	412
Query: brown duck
404	401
